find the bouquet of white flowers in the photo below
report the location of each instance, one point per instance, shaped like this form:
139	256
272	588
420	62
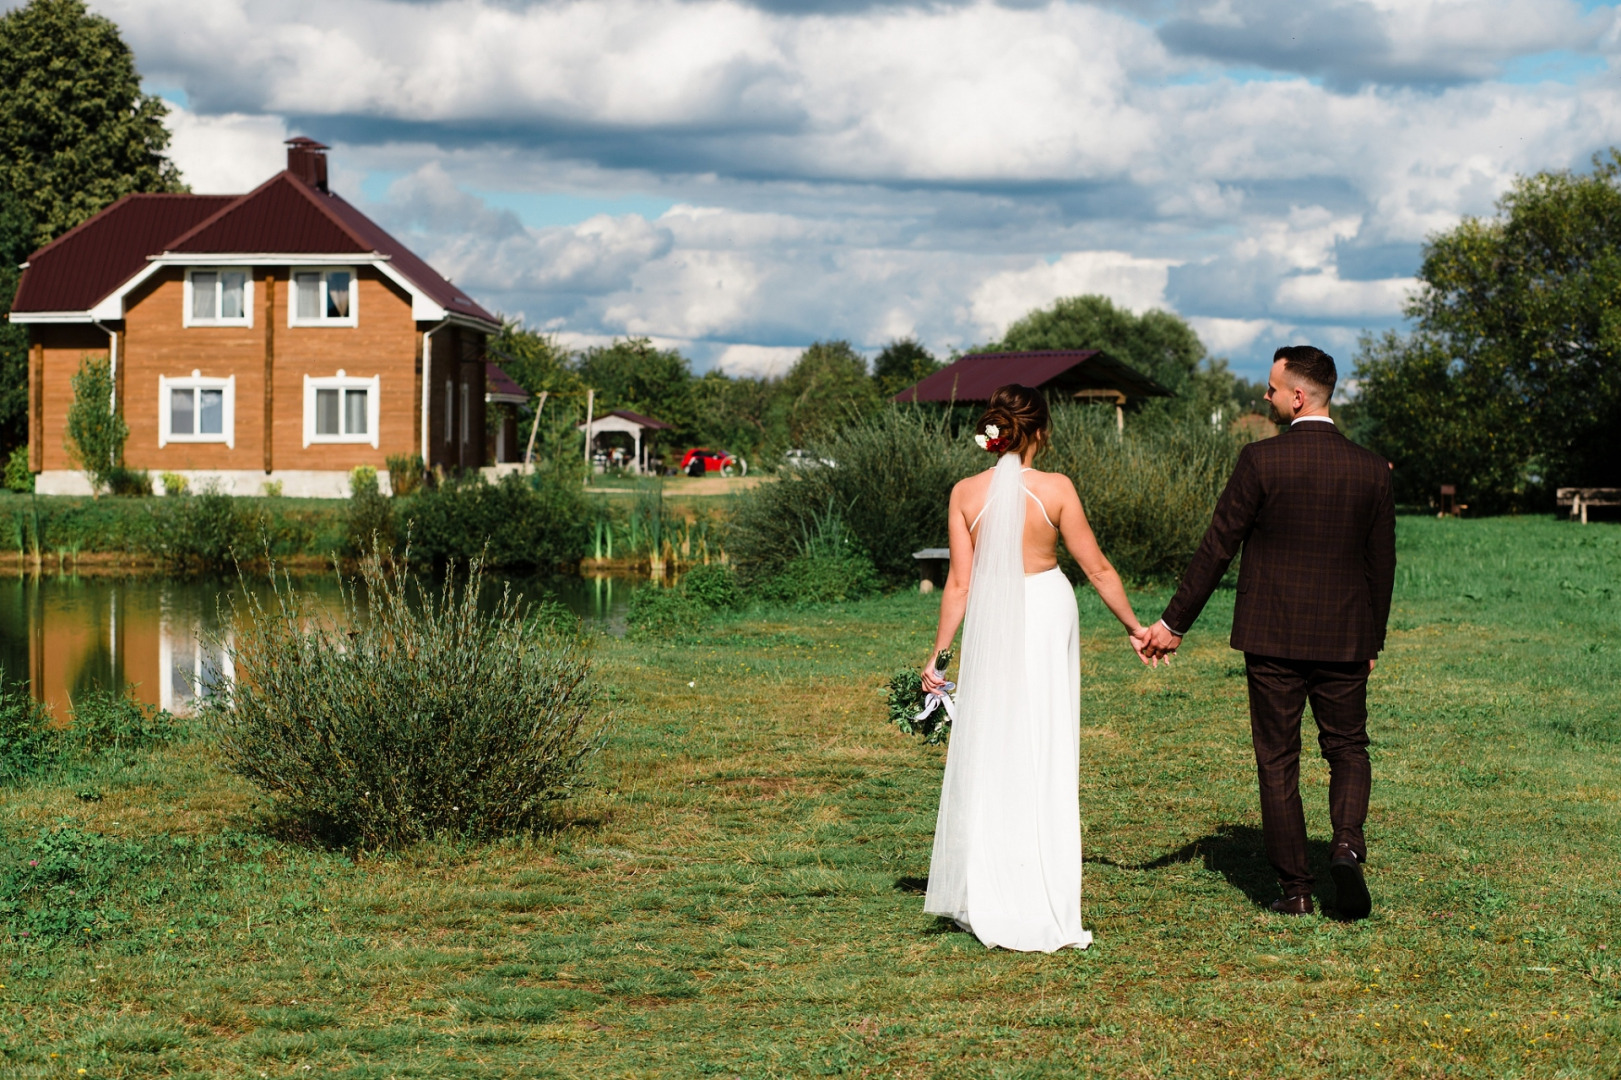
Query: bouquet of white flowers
919	713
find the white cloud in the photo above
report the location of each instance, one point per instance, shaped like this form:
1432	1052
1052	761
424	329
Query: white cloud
756	360
878	171
228	154
1138	284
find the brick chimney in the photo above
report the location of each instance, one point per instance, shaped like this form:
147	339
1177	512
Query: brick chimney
306	159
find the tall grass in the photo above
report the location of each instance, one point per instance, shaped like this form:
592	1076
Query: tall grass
410	715
1148	494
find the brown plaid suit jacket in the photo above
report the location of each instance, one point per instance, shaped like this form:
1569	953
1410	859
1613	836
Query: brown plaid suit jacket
1314	515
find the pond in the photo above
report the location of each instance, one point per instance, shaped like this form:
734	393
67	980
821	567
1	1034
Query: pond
70	635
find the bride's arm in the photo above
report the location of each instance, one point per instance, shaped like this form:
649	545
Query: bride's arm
954	597
1078	538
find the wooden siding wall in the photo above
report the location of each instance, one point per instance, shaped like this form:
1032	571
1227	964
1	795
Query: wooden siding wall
154	341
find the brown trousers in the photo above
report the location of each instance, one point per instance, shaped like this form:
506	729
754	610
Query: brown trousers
1279	690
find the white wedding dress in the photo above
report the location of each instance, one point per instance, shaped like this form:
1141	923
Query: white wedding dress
1007	841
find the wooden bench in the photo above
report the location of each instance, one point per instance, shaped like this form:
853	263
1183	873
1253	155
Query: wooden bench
1579	499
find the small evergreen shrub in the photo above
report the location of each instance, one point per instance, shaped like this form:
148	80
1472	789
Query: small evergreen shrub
415	713
18	476
29	742
371	517
174	483
114	720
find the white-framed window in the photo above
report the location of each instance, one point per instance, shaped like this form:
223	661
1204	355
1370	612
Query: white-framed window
341	408
197	409
322	297
221	297
450	410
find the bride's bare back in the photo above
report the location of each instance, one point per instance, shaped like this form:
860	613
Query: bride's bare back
1052	508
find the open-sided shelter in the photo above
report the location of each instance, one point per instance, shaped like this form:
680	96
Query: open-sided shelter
1078	374
640	428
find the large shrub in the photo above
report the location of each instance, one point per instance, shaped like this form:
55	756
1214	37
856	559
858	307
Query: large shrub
536	522
681	611
1149	494
422	713
889	483
96	433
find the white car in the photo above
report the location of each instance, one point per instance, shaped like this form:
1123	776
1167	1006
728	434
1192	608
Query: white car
804	459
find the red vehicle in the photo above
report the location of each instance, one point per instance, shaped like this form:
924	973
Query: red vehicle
699	461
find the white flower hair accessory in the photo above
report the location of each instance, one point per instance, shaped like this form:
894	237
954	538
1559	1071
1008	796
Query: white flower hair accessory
990	439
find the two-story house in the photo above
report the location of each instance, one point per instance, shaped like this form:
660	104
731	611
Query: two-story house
278	336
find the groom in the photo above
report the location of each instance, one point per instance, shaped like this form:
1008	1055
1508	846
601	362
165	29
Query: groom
1313	514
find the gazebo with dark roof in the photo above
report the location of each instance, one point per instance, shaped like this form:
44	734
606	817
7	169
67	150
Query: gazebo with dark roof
1084	374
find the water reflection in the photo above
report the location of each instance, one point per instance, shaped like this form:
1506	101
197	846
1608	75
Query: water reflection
70	635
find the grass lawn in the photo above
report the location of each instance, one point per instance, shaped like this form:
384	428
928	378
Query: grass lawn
740	897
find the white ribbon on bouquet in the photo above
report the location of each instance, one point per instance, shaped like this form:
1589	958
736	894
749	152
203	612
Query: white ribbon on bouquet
936	699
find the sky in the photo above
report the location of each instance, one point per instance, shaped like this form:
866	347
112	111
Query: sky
738	180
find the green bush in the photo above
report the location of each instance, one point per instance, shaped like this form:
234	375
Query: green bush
1148	495
682	610
414	713
889	486
113	720
821	579
28	740
123	481
204	532
371	516
714	586
656	614
174	483
536	522
18	476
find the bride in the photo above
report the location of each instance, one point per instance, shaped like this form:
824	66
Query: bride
1007	842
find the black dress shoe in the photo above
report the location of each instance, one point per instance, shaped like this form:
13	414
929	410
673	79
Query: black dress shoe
1293	905
1345	868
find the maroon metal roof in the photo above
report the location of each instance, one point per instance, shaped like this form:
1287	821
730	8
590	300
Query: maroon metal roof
282	216
78	269
501	384
975	377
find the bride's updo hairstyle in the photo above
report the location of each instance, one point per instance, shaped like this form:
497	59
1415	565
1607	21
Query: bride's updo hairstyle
1020	416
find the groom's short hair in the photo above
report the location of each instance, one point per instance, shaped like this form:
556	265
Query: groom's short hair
1309	364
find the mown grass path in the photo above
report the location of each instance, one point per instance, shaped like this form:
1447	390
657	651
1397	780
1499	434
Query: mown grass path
740	895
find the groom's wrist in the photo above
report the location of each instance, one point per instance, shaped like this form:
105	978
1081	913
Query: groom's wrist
1170	630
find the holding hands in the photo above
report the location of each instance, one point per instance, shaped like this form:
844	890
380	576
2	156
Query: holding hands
1155	643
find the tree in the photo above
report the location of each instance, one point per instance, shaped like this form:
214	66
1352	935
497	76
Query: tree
632	374
535	361
903	363
96	433
16	233
76	132
1511	381
1157	343
744	415
828	384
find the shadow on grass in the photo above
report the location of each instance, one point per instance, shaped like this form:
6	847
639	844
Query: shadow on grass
1238	854
320	832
